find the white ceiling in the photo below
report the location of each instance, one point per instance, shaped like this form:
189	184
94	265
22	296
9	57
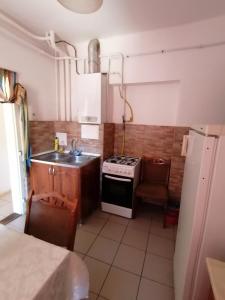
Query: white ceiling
115	16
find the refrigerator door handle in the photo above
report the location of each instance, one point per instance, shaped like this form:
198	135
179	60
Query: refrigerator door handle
184	148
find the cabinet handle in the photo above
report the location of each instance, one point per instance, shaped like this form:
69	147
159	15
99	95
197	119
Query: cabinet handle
53	171
49	170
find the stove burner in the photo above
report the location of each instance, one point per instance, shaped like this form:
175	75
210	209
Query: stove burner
113	161
123	160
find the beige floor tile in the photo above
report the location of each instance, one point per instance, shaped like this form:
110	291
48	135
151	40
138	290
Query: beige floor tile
18	224
103	249
118	219
83	241
140	223
144	210
6	197
157	229
120	285
161	246
101	214
158	218
92	296
129	259
157	215
81	255
93	224
135	238
97	272
150	290
158	269
113	231
3	202
6	209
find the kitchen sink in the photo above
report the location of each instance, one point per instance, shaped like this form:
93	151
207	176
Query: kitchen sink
64	158
54	156
79	159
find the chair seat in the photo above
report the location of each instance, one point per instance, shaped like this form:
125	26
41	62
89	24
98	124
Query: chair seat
152	192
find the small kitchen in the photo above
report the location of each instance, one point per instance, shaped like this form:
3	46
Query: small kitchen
101	102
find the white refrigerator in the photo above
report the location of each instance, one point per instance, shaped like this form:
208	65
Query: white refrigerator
201	226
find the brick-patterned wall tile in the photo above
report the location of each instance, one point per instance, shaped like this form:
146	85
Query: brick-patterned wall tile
179	132
73	130
118	138
158	141
134	137
108	140
176	176
68	127
41	135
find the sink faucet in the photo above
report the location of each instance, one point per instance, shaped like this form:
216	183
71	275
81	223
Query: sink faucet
74	145
74	149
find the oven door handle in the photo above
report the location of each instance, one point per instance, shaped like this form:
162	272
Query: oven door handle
118	178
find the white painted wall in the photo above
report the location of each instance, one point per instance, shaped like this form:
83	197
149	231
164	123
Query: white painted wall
4	173
198	97
154	103
35	72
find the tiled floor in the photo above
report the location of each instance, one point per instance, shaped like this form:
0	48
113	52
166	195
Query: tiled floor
126	259
5	205
18	224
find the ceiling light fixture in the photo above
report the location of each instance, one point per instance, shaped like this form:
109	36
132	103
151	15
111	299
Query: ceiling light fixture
81	6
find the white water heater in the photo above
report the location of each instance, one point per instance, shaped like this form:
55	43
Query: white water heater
89	103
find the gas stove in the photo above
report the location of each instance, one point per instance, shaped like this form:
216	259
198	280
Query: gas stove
120	176
121	165
123	160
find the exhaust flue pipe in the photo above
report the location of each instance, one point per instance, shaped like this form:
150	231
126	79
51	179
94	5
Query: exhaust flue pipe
93	56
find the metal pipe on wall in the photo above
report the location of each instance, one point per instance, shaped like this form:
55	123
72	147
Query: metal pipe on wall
75	52
68	90
57	89
22	29
27	44
177	49
62	95
93	56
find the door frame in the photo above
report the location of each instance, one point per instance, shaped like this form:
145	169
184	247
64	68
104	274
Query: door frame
18	179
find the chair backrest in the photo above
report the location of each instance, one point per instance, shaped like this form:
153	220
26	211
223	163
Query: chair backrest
155	171
52	218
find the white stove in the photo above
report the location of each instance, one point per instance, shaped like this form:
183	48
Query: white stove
120	176
121	165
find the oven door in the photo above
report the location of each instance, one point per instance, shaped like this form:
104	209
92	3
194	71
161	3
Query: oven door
117	190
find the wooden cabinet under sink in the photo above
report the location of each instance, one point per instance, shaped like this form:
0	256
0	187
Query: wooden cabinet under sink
81	183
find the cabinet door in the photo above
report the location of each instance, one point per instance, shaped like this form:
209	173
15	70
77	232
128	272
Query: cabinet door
66	181
41	178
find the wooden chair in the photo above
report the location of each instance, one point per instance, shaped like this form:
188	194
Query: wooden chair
52	218
153	187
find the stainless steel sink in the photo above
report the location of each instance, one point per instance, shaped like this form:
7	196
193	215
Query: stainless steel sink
64	158
54	157
79	159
